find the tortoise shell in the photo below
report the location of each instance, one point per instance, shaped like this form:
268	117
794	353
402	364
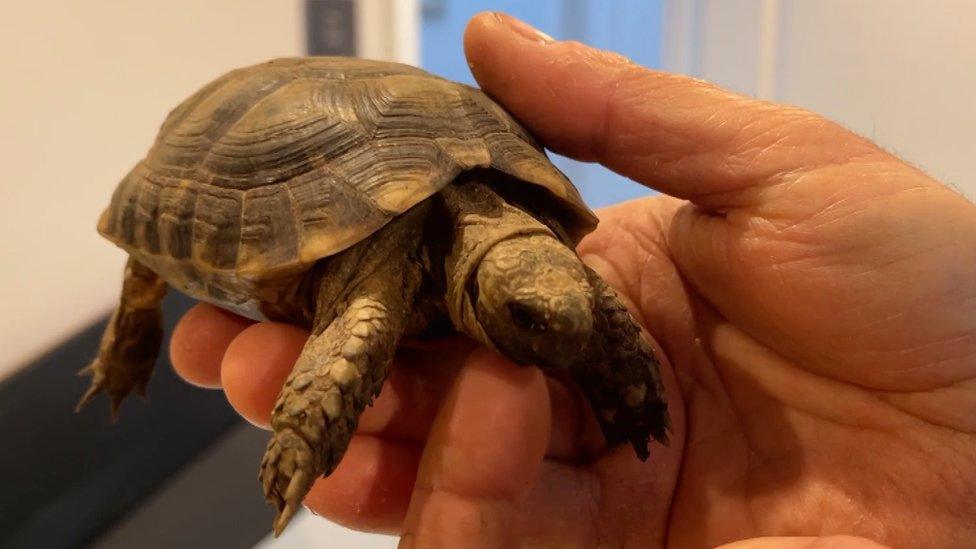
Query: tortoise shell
272	167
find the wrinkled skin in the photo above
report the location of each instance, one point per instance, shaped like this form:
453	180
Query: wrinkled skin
814	295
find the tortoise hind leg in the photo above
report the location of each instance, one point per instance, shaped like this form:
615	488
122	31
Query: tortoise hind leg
363	307
131	341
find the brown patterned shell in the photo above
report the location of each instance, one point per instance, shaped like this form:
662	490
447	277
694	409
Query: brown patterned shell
272	167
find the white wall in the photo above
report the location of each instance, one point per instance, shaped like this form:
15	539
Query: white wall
902	72
83	90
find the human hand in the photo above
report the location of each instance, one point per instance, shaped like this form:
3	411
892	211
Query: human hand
813	297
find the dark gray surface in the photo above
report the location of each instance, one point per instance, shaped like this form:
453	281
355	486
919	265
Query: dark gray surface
68	477
214	502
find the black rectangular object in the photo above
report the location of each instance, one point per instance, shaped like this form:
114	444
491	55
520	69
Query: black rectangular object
330	27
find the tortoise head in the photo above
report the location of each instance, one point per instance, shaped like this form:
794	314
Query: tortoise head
534	302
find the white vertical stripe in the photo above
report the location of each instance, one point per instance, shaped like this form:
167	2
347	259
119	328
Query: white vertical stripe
388	30
406	23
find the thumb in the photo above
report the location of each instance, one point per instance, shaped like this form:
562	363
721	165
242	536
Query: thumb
483	455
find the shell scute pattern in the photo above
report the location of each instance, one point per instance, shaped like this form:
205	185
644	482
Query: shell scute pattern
269	228
217	227
177	205
180	151
289	132
269	168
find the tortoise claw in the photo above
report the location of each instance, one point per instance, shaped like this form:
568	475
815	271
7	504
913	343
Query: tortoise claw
97	385
287	474
118	387
293	498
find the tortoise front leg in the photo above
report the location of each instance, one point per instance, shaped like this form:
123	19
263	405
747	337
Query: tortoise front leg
619	374
365	300
131	340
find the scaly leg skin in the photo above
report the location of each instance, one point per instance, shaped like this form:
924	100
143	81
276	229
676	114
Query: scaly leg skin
131	341
364	303
620	376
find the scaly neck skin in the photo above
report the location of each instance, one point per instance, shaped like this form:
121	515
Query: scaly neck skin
510	283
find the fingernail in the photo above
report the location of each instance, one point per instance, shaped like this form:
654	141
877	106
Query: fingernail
523	29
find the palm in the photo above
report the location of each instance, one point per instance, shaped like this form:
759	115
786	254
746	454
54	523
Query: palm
768	445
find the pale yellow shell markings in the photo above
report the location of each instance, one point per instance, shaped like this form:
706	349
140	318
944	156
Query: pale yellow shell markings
272	167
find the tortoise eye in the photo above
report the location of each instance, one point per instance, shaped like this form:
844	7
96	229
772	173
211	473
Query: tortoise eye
527	317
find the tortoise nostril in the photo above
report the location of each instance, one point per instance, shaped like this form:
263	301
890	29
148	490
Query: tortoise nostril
527	317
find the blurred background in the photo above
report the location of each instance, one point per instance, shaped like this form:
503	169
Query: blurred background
86	84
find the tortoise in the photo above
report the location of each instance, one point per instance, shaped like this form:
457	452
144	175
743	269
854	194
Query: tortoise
365	201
